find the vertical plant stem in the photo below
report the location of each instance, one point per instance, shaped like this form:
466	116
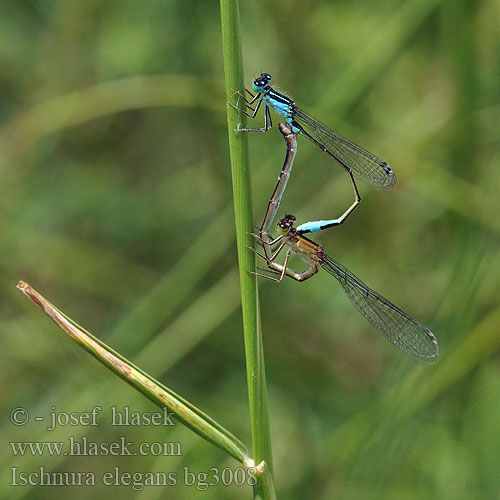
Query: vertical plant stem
238	147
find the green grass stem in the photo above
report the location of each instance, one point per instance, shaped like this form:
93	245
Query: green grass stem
238	148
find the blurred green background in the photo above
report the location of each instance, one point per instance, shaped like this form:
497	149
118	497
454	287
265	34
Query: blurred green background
116	204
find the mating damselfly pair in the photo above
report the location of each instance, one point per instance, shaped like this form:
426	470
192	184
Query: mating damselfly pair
396	325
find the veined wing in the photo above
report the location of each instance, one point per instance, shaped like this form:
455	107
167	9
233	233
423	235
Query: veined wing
400	328
365	165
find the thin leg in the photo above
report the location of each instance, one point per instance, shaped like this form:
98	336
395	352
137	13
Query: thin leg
256	252
253	98
267	120
268	270
270	254
245	112
283	269
285	264
276	252
265	276
277	268
264	241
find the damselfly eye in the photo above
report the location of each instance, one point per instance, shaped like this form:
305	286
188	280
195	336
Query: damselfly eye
262	80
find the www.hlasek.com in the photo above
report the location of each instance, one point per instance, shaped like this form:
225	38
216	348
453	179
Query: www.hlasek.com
87	448
137	481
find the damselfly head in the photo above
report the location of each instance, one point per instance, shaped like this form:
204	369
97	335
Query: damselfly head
261	81
286	224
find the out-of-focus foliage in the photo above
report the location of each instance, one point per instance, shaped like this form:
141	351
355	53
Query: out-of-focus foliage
115	203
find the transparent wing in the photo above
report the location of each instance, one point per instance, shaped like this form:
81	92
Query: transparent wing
365	165
400	328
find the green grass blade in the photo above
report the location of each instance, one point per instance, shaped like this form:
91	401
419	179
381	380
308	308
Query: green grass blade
185	412
238	147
